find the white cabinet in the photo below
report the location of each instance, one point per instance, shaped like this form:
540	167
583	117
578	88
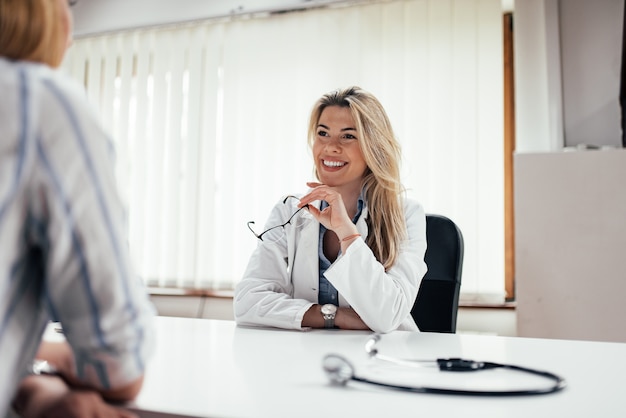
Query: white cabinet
570	244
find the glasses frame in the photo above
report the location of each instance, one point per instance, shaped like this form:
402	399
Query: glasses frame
260	236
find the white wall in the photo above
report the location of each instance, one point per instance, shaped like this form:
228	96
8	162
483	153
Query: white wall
538	111
591	46
570	230
567	65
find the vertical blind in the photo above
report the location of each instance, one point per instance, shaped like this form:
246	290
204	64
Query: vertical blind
209	121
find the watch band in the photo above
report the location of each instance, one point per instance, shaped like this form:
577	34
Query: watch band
328	313
329	321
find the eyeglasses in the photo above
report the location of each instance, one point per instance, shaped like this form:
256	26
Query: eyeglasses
275	233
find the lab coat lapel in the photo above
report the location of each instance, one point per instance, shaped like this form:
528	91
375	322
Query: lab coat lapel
305	269
361	226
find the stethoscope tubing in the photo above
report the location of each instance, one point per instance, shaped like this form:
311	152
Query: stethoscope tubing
558	385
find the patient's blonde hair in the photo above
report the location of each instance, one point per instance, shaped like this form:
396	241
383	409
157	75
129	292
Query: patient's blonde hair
34	30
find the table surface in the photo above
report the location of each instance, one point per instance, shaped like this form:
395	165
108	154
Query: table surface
213	368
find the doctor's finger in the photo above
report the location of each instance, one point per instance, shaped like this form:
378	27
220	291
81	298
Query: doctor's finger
315	212
311	197
314	184
322	192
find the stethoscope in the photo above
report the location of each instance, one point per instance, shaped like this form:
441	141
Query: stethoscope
340	371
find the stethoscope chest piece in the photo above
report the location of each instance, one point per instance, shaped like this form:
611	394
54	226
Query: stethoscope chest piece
338	369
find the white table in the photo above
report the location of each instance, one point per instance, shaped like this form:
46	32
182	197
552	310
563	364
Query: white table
212	368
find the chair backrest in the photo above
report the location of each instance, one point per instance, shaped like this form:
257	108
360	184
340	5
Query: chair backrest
437	302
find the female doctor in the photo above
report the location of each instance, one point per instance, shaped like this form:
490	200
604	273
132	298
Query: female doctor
348	254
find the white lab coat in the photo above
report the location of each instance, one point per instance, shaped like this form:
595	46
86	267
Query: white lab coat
282	278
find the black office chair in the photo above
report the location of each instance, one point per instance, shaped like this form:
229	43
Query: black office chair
437	303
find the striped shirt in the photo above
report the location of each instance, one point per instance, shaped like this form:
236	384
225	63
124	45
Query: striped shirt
63	248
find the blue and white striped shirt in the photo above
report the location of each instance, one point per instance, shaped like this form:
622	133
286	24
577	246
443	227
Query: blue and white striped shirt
63	251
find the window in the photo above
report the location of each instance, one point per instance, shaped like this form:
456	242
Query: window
210	118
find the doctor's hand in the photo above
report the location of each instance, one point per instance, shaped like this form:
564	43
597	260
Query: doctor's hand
335	216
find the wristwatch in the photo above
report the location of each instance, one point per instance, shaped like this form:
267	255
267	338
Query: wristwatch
328	312
42	367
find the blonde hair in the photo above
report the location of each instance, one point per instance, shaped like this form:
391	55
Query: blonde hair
33	30
381	181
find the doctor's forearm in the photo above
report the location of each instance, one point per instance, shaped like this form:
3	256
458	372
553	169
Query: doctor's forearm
313	317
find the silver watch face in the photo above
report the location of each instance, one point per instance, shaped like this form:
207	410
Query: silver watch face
42	367
329	309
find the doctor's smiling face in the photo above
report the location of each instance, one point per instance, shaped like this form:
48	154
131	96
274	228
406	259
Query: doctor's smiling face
339	161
